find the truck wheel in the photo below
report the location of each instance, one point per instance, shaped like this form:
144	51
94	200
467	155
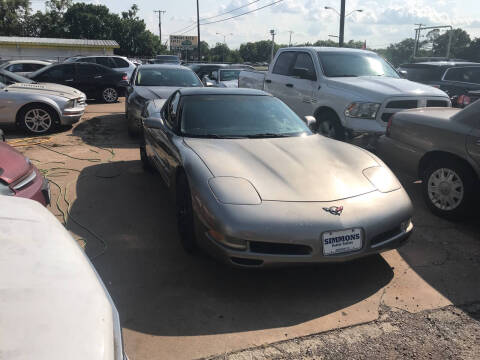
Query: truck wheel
448	188
329	126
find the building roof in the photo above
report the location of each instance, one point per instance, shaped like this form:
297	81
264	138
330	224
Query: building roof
17	40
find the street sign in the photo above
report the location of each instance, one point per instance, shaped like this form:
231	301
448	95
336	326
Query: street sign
187	45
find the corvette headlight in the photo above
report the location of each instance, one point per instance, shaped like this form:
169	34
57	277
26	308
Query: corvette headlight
382	178
235	191
363	110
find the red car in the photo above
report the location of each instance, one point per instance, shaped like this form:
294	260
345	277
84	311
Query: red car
18	177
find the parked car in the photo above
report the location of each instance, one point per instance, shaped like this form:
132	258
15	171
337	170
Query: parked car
24	67
224	78
120	64
167	59
40	108
154	82
96	81
51	293
441	147
19	177
249	187
348	91
454	77
203	70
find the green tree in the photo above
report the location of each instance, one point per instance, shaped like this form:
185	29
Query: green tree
13	17
460	40
399	53
471	52
219	53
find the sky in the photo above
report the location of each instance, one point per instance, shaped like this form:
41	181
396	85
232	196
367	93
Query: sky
380	23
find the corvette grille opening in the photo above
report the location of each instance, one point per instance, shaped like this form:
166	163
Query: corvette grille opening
279	249
246	262
377	239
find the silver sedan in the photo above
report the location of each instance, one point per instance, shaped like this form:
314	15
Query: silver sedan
40	107
441	146
255	187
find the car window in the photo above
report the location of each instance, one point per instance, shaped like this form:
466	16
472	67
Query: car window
15	68
464	74
32	67
105	61
352	64
423	74
171	109
248	116
88	59
304	61
59	72
228	75
284	61
162	76
120	63
86	70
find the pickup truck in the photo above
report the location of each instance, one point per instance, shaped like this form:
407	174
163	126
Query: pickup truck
349	91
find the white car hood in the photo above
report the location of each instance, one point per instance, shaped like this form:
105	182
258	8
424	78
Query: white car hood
46	89
53	305
378	88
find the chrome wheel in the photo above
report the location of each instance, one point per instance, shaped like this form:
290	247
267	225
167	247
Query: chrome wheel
38	120
445	189
327	129
109	95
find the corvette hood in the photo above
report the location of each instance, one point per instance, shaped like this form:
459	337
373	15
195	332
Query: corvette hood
46	89
155	92
311	168
378	88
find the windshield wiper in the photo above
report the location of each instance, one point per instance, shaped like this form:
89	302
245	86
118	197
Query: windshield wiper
214	136
267	135
345	75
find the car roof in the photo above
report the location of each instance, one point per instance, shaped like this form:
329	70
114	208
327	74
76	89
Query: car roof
164	66
26	62
328	49
221	91
441	64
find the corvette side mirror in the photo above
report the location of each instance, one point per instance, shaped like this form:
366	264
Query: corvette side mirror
154	123
311	122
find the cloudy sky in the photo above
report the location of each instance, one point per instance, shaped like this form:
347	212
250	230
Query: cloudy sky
381	22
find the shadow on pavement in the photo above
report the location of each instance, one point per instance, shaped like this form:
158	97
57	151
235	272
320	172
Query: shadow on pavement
106	130
445	254
158	289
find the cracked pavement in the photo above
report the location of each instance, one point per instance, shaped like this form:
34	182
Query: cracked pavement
176	306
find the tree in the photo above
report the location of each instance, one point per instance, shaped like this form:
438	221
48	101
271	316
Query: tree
471	52
13	16
460	40
399	53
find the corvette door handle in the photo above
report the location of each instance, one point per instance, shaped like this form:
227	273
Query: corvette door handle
289	85
268	81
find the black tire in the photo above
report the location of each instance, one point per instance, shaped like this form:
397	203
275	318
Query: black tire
185	215
109	95
457	206
38	119
329	125
146	164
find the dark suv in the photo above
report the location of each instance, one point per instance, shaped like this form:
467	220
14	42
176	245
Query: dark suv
455	78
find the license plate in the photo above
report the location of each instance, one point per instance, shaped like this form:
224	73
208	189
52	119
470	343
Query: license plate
338	242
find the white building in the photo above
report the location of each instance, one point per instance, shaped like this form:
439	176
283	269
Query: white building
13	47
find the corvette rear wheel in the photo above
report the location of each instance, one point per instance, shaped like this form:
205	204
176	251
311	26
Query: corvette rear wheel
37	119
185	215
448	188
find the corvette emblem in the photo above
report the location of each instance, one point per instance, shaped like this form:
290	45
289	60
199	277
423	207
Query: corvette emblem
334	210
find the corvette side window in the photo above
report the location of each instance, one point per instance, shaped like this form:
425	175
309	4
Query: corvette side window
172	110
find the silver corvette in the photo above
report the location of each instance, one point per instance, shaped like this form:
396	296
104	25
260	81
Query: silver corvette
255	187
40	107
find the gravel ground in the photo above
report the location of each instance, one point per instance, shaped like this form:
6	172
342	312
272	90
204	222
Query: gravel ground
447	333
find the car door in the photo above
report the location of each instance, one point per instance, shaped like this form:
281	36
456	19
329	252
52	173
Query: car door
87	76
278	82
303	80
162	147
473	141
60	74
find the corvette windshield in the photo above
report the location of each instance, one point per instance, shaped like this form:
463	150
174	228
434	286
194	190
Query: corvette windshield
167	77
239	116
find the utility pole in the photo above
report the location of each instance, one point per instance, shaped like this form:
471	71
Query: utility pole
290	41
273	33
199	53
160	12
342	24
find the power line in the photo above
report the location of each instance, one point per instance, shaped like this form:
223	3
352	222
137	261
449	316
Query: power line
245	13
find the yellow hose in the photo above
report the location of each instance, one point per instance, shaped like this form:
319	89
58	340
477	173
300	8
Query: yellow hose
29	141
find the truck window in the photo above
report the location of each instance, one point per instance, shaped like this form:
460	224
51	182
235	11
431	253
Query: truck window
304	61
284	61
463	74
